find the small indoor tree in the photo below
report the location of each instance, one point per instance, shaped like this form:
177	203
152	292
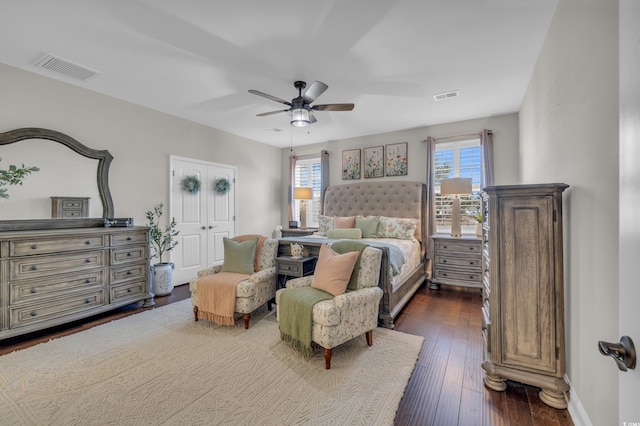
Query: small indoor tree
161	240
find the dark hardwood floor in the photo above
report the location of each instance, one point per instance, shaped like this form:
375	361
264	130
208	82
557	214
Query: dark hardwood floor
445	387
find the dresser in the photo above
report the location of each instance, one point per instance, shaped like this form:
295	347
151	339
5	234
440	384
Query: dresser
457	261
51	277
523	304
69	207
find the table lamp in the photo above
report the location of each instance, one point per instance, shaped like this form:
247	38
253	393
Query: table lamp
455	187
303	194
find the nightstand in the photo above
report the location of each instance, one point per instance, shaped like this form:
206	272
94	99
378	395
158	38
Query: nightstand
457	261
298	232
288	267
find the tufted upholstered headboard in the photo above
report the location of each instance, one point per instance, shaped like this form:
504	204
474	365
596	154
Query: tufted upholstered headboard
388	198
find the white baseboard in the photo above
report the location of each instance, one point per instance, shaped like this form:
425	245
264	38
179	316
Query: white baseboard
575	408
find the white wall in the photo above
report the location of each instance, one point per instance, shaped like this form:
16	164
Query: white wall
569	133
141	141
505	139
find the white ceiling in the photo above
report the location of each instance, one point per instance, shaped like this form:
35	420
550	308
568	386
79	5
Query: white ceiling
197	59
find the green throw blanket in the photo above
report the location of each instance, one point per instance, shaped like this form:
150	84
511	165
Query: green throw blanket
296	316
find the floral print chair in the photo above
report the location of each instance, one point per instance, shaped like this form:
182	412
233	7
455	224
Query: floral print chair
348	315
253	292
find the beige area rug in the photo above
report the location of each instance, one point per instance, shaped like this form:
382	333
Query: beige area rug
160	367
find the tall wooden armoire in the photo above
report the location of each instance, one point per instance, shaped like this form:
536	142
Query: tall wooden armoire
523	311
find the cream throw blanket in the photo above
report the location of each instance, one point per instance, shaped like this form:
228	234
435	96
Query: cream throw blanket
217	296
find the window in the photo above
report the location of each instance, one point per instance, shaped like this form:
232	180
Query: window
308	173
458	159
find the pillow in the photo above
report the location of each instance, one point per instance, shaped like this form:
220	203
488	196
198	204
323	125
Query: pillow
344	222
349	233
239	256
368	226
397	227
333	270
324	224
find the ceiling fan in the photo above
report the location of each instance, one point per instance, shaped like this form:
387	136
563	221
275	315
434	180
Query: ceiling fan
300	108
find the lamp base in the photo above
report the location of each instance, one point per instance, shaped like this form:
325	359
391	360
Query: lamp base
303	215
456	229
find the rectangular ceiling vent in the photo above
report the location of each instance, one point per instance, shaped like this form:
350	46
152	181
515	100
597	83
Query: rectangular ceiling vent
446	95
64	67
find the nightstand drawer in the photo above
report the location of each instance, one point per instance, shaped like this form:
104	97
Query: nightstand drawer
295	267
458	246
473	263
456	275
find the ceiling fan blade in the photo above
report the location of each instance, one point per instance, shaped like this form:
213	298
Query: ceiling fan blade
316	89
333	107
271	112
273	98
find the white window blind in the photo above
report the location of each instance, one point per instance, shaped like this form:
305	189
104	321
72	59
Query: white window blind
308	174
458	159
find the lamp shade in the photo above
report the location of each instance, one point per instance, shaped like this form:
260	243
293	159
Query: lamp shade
302	193
299	117
455	186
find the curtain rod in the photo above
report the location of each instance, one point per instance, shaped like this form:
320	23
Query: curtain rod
458	137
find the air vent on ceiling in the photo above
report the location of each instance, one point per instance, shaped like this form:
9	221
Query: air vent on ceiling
64	67
446	95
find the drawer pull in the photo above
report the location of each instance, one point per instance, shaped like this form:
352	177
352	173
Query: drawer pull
87	260
129	238
129	254
129	290
444	247
34	268
87	242
444	261
444	275
129	272
35	246
88	281
87	300
34	290
34	313
471	277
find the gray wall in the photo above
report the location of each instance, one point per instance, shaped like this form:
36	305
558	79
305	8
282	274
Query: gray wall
505	129
569	133
141	141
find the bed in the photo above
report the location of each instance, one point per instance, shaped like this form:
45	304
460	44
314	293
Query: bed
399	279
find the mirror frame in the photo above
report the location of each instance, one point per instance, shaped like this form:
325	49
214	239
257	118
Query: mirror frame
104	161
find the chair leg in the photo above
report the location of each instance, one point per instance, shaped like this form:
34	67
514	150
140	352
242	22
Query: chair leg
246	320
195	312
327	358
369	335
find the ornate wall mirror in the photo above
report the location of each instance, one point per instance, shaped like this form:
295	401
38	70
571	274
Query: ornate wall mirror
67	167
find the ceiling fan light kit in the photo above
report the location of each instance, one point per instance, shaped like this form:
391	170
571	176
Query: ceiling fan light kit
300	109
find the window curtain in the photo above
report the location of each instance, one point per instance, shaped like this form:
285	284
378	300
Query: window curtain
292	181
430	214
324	161
486	149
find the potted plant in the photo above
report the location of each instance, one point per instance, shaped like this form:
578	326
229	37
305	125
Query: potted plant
161	241
478	218
13	176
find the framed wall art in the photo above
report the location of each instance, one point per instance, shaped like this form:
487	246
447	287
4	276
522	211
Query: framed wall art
374	162
351	164
396	159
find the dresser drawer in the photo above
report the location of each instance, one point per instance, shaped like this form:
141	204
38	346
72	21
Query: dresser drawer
41	266
472	263
126	238
49	309
129	254
458	246
60	244
128	272
29	291
120	293
456	275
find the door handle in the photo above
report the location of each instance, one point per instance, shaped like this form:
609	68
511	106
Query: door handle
623	353
214	226
203	227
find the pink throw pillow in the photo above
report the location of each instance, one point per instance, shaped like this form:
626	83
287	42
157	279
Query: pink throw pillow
344	222
333	270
